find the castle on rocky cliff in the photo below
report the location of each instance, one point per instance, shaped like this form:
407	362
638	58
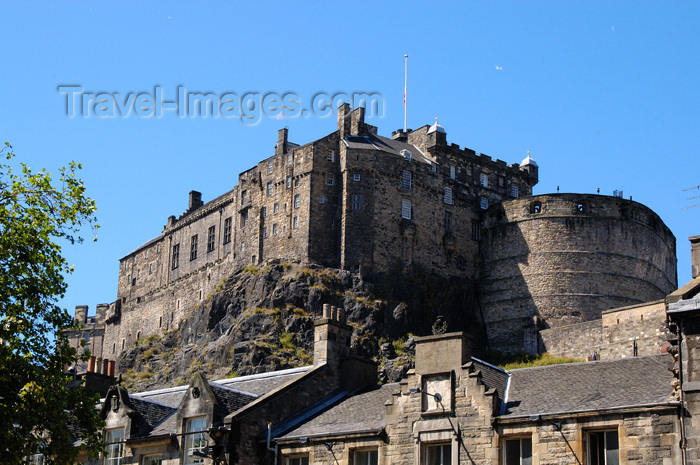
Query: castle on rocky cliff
374	205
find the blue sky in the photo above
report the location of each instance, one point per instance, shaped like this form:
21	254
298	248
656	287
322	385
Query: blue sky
604	95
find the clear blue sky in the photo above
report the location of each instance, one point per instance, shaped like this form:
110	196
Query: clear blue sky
603	94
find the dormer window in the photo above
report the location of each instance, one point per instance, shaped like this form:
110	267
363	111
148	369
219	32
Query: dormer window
114	446
406	155
195	440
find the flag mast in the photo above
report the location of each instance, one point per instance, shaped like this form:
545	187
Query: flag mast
405	85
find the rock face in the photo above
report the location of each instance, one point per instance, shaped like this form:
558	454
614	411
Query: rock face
262	319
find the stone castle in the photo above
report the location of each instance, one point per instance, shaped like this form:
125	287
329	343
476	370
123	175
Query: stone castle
375	205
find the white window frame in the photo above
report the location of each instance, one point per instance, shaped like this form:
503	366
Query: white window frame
521	459
406	180
406	209
269	188
270	167
195	440
331	156
114	446
591	458
152	459
297	200
295	222
364	456
484	180
448	196
442	448
453	172
289	182
302	459
406	155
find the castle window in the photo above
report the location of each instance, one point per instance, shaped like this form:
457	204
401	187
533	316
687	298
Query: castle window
153	460
476	230
514	191
453	172
448	222
276	208
138	273
331	156
263	212
484	203
536	207
406	155
448	196
297	181
269	188
193	248
602	448
322	199
406	209
356	177
244	197
406	179
330	179
264	232
176	256
274	229
270	167
356	202
289	158
243	246
517	451
501	181
365	457
227	230
211	238
114	347
581	207
150	268
289	182
433	167
295	222
145	255
114	446
297	201
484	179
244	219
123	343
195	440
158	248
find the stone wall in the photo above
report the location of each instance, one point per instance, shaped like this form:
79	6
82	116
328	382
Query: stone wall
615	335
556	260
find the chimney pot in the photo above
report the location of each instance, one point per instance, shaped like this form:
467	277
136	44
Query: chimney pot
326	310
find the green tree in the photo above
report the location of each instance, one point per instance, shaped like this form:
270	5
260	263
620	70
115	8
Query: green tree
41	408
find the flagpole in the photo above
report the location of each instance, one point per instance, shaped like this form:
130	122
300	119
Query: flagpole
405	86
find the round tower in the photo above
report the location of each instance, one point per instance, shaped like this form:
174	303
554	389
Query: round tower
557	259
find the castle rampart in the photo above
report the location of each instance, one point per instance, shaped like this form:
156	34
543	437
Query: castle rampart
554	260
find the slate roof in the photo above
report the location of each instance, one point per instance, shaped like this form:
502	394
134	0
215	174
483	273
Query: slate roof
152	412
586	386
263	383
353	414
385	144
492	376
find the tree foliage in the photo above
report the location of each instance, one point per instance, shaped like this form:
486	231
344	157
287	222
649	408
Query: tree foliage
42	409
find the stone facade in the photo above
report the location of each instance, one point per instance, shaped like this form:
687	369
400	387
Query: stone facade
375	205
622	332
553	260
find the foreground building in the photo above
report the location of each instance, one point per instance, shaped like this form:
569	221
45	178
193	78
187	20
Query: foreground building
451	409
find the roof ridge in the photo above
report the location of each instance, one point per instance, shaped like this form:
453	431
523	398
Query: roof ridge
589	362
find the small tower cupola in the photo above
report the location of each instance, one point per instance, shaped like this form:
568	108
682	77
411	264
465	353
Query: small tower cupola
436	134
528	160
529	165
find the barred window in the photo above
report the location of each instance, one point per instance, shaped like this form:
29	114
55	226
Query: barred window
406	209
193	247
211	238
176	256
406	180
227	230
448	196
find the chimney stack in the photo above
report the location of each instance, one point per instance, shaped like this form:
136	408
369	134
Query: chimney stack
195	201
695	255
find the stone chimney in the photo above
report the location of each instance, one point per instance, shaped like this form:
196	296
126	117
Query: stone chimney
695	255
331	336
357	121
101	313
195	201
81	314
442	353
281	147
344	121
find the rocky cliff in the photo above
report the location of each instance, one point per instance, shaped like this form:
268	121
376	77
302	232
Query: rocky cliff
261	318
